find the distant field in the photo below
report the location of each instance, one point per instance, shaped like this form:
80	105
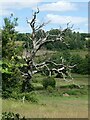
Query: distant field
52	106
82	53
77	78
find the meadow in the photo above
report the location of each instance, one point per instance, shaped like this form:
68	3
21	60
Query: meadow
53	104
24	93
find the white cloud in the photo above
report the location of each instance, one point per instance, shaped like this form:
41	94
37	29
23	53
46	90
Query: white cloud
5	12
58	6
18	4
6	7
65	19
79	0
67	0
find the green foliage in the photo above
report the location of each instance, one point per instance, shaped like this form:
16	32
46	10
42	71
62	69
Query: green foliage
56	57
11	116
77	92
55	45
50	89
11	75
49	81
40	34
31	96
72	92
66	55
82	64
71	86
74	39
8	37
6	94
27	86
88	43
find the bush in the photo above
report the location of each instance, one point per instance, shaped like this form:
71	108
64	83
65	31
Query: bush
29	97
11	116
49	81
77	92
6	94
82	64
50	89
29	87
71	86
73	92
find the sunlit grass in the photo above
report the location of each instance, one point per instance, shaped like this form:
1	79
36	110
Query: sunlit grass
82	53
50	107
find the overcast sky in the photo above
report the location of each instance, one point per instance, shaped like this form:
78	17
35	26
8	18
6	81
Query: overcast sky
59	12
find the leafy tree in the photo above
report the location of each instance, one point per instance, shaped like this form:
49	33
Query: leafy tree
82	64
10	66
88	44
9	36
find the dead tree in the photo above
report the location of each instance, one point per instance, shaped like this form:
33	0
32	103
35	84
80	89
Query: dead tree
32	67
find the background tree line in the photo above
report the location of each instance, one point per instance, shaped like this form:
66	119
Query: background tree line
75	40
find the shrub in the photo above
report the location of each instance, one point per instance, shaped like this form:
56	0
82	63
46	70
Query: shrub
73	92
77	92
49	81
11	116
6	94
29	87
14	95
50	89
29	97
71	86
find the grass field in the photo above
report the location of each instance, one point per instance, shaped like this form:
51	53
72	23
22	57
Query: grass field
82	53
52	105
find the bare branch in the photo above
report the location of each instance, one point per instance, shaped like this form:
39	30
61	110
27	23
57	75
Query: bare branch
38	27
37	43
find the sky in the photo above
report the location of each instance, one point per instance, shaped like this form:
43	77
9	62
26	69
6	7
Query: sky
58	12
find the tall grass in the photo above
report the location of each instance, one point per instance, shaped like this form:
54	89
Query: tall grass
50	107
53	105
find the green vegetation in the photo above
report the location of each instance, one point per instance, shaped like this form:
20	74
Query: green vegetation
80	58
48	100
41	96
77	41
10	116
11	58
50	107
49	81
